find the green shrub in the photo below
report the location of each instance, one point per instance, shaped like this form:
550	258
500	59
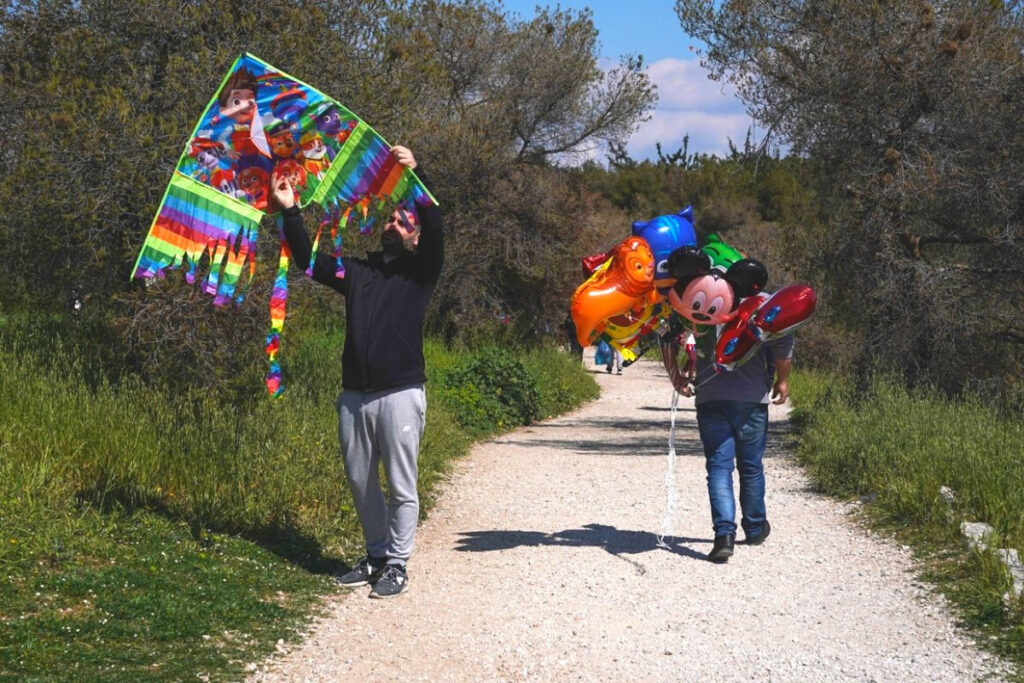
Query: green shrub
491	391
561	384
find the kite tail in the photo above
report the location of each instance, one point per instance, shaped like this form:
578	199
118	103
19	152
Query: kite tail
336	232
248	246
278	301
366	222
330	218
194	220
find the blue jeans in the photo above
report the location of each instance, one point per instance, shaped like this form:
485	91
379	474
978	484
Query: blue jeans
734	433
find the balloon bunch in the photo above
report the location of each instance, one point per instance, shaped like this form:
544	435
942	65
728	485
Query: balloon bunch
623	301
657	282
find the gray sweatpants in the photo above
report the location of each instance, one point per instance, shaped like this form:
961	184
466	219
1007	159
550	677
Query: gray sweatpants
384	426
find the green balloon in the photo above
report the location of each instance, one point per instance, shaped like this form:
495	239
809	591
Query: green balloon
722	255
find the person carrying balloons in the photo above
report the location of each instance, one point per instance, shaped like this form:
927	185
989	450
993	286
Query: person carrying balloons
732	419
744	356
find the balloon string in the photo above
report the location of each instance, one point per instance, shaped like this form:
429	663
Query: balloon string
670	478
714	373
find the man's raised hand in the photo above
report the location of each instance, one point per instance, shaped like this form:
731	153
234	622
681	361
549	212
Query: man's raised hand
281	192
403	155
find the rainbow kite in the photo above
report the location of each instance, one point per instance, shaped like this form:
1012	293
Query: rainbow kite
261	122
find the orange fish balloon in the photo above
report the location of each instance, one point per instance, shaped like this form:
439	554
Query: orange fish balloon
624	282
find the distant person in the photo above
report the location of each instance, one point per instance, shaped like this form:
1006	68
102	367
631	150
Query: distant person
382	407
570	331
732	418
614	361
603	353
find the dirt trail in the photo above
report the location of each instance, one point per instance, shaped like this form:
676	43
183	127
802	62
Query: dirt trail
540	562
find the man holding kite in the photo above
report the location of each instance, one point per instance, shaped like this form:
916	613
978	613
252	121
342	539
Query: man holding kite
382	407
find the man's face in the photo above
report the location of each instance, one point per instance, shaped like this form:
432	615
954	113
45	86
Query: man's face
401	232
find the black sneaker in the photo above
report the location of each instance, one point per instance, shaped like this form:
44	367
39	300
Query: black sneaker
367	570
722	550
758	539
391	582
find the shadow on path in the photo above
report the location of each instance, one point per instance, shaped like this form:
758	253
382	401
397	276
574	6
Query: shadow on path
628	445
681	409
608	436
618	542
659	425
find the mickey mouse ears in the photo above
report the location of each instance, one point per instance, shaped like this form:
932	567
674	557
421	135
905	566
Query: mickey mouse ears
687	262
747	276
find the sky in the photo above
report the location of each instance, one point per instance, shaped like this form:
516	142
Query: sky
688	102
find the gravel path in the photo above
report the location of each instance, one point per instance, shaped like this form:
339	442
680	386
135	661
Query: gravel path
540	563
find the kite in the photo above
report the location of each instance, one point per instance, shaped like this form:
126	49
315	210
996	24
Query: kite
263	122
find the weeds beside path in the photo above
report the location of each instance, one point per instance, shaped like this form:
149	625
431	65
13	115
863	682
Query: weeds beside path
540	562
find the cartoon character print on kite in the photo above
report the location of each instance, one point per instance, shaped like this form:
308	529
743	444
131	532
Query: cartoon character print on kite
707	295
207	155
237	102
294	172
623	283
223	179
316	156
254	179
281	141
665	234
332	126
237	99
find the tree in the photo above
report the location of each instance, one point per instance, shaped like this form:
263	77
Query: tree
913	110
506	100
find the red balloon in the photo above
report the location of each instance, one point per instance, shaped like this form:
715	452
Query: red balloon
738	342
593	262
783	312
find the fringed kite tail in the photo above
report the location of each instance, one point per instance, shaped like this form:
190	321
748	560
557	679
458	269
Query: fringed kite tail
336	234
278	303
194	220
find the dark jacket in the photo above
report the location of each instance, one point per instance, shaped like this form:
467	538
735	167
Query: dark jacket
385	303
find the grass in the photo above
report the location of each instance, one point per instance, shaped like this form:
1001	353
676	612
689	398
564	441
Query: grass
135	596
896	448
148	535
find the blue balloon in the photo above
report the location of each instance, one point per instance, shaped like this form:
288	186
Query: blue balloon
664	235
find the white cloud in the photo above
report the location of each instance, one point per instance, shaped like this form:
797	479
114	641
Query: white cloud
684	84
709	133
690	104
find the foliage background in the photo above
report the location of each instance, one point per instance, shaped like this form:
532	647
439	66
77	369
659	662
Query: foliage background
103	96
919	156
